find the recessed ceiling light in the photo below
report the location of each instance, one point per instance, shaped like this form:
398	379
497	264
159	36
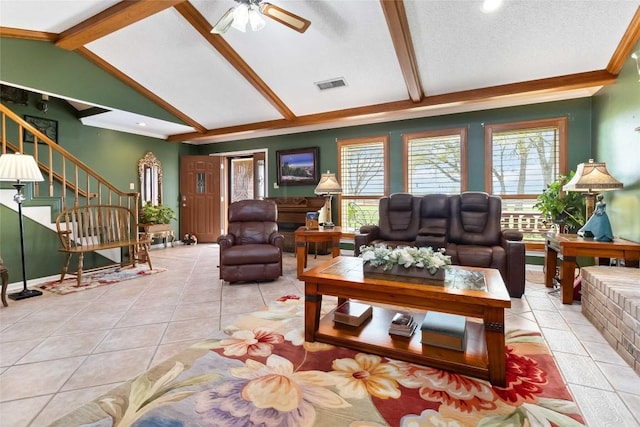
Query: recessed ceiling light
491	5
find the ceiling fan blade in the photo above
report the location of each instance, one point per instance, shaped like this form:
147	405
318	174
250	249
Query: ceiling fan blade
284	17
223	23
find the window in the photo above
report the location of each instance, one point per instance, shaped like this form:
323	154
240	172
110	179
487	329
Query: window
522	159
363	172
436	161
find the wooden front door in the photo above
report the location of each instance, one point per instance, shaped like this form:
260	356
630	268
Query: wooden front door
201	197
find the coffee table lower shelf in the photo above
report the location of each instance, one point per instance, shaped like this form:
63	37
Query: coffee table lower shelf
373	337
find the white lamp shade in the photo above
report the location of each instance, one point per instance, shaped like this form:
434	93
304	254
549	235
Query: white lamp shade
19	167
240	17
328	184
592	176
255	20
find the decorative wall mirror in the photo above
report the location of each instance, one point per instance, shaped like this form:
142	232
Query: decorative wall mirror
150	173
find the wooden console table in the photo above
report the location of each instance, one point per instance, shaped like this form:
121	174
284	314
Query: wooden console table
570	246
292	213
304	237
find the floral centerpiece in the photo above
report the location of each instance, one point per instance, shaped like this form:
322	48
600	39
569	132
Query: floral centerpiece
410	261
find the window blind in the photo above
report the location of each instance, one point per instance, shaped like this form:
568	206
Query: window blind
434	165
524	161
362	169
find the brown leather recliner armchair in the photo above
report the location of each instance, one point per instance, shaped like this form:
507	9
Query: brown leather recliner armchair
252	249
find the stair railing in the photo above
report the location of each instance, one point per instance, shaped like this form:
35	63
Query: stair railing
77	181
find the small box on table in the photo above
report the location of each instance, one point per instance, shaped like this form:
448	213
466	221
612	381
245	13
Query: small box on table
444	330
352	313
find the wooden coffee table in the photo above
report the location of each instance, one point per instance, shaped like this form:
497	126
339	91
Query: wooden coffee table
484	356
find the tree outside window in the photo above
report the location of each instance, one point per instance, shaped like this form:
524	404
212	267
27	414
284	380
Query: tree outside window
436	161
523	158
363	172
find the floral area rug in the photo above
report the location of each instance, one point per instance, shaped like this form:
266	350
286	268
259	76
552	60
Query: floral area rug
107	276
261	372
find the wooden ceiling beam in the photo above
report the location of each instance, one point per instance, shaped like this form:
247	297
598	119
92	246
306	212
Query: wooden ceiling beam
200	23
138	87
626	45
396	17
550	85
110	20
18	33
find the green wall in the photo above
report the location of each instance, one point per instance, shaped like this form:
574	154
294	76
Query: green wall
616	115
578	112
42	66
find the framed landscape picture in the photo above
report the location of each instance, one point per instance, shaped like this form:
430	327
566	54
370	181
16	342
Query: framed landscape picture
46	126
298	167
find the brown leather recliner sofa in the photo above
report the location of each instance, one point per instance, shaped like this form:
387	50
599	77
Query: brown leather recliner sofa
466	225
252	248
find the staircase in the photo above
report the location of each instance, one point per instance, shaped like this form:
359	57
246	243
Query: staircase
68	181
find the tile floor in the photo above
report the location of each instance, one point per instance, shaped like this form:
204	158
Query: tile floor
57	352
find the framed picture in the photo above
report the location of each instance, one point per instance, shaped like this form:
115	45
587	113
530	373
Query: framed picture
47	126
298	167
14	95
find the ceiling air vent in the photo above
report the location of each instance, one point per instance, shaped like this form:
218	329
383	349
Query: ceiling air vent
330	84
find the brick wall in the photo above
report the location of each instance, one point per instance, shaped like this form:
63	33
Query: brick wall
611	301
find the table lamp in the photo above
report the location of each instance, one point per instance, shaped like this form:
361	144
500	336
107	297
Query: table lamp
327	187
20	168
592	178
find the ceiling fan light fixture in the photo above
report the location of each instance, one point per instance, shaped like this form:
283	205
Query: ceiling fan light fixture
284	17
240	17
223	23
489	6
255	20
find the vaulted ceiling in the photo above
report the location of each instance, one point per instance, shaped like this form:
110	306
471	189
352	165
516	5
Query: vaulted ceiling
399	59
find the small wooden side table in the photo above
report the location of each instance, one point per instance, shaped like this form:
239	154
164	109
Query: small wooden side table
304	236
570	246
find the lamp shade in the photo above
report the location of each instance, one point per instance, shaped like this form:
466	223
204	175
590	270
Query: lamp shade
19	167
328	184
592	176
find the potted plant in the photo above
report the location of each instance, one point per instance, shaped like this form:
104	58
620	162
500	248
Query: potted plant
156	217
565	209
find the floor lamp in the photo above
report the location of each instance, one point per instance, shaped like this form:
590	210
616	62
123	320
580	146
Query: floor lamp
328	187
20	168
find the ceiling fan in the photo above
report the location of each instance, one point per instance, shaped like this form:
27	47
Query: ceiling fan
246	11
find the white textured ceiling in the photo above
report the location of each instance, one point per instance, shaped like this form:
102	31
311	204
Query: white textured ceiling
457	48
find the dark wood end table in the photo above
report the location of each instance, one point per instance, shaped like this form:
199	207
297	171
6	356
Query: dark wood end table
570	246
303	237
